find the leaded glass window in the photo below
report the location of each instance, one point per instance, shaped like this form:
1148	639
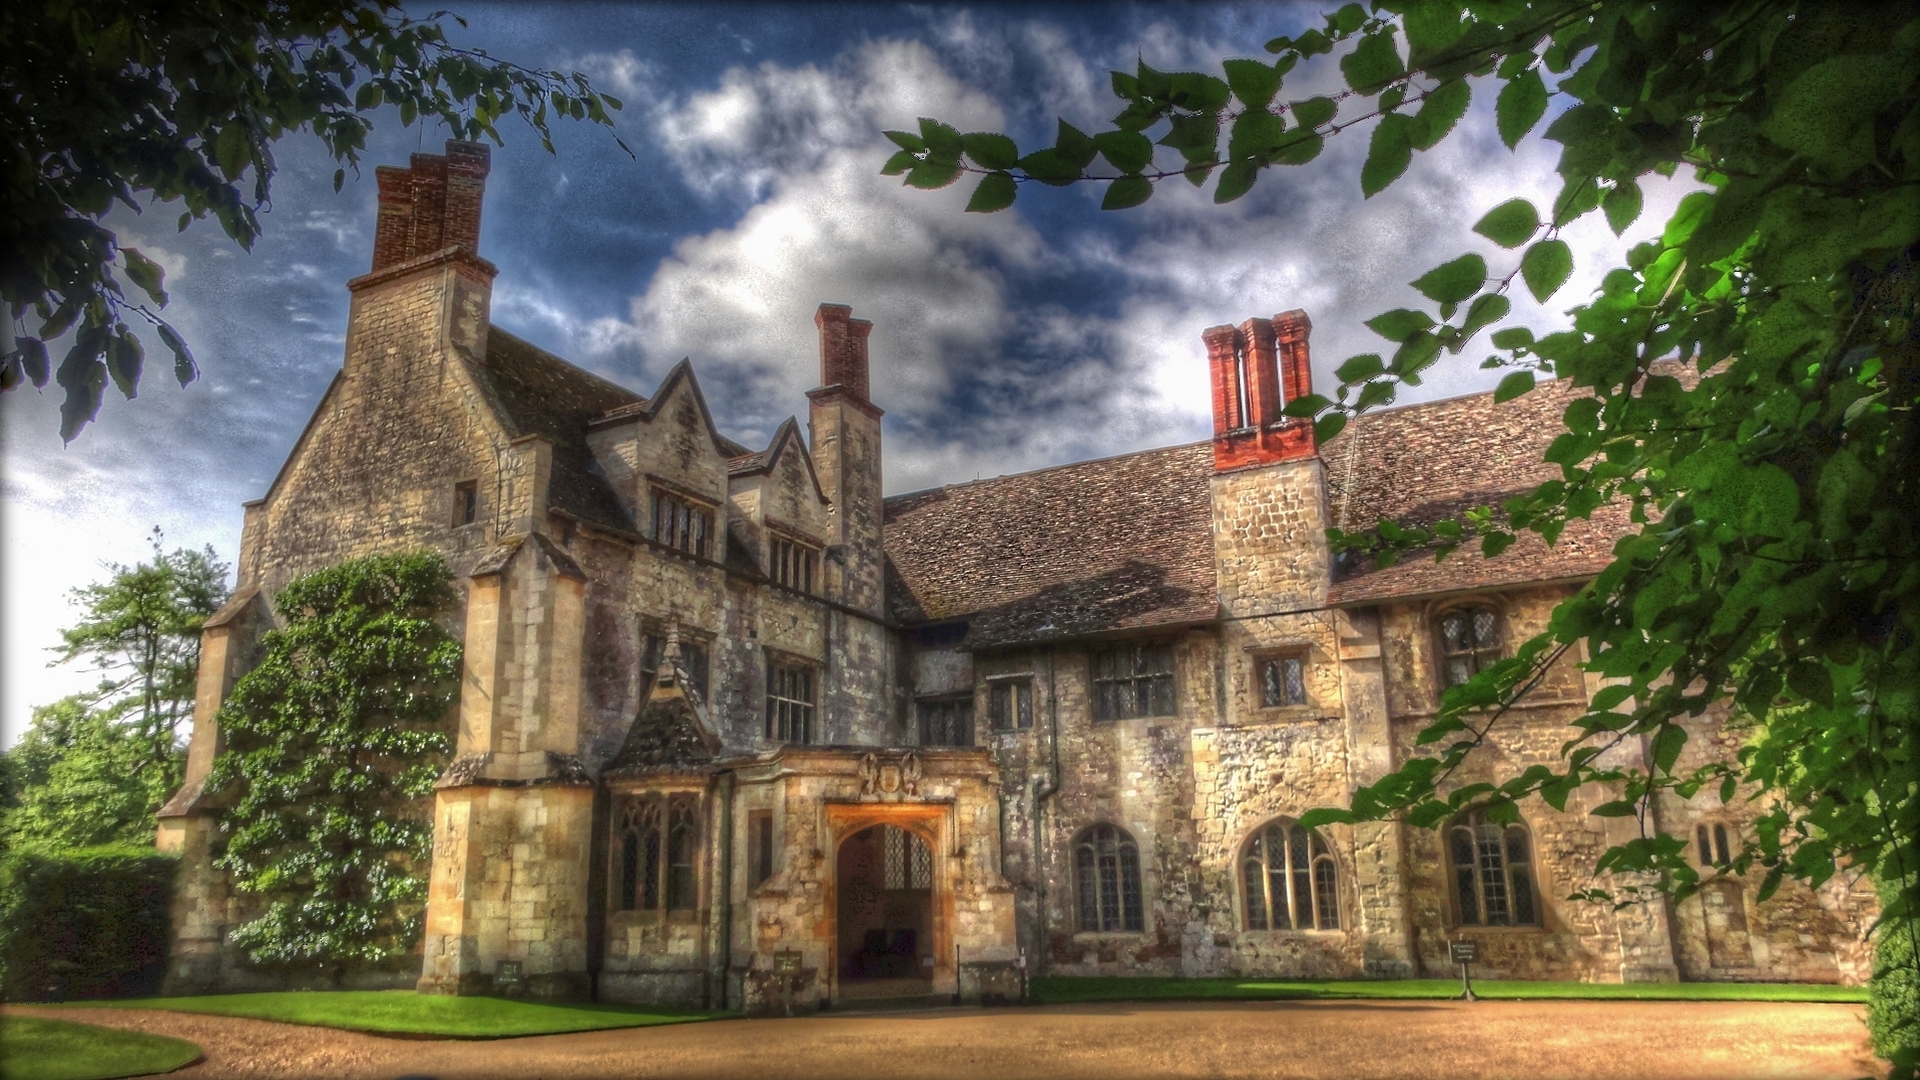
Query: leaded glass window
656	850
1469	642
1291	880
1283	681
1106	866
906	860
1133	680
1492	872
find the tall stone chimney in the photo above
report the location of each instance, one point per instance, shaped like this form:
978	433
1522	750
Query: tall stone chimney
845	438
429	286
431	205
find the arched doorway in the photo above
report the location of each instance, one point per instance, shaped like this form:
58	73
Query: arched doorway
885	916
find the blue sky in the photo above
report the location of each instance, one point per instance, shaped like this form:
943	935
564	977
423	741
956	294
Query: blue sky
1048	333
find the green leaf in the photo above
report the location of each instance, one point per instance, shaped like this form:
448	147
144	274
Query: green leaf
1374	63
1329	426
1305	405
124	360
1455	281
1256	133
1522	101
1358	368
184	369
1621	205
1399	324
931	175
906	140
1487	309
943	141
1128	151
1253	82
1510	224
1074	146
1545	267
1125	87
1616	808
1201	93
1349	18
145	273
996	192
1811	680
1314	111
33	359
1512	337
1442	110
1515	384
1299	147
1389	154
233	150
1235	180
1048	167
1128	191
900	162
991	151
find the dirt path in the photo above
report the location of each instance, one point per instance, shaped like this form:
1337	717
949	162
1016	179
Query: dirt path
1530	1040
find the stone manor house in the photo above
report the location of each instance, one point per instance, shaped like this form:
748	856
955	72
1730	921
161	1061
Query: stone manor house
735	727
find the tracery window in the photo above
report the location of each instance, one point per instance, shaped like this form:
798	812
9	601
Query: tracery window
1106	865
1710	838
657	851
1492	872
1469	641
1292	882
1133	680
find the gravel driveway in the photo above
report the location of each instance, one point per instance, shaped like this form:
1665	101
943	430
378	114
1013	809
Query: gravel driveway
1530	1040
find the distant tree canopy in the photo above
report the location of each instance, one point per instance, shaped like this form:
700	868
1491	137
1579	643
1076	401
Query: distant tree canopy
135	102
331	741
1776	569
94	767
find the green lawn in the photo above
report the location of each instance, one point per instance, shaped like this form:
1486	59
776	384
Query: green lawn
36	1049
406	1012
1059	990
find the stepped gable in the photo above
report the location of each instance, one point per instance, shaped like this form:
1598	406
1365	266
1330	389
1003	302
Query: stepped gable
536	393
1423	463
1115	544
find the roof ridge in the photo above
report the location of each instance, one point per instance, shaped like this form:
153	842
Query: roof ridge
1053	468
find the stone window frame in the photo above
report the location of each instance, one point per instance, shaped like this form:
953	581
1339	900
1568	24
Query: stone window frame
763	848
1262	655
1128	891
656	856
466	503
1012	683
961	703
693	533
1478	655
1135	647
1471	826
1715	842
1322	873
794	561
652	627
782	710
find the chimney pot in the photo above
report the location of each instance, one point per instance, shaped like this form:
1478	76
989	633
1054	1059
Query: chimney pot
843	348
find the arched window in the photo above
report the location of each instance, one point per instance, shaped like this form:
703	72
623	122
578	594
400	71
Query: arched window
1106	866
1469	640
1492	875
1291	880
657	843
1711	840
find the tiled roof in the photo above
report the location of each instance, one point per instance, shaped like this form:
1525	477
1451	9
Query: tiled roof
537	393
1121	543
1421	463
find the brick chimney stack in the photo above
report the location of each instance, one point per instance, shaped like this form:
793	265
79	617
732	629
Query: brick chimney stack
843	349
1257	368
431	205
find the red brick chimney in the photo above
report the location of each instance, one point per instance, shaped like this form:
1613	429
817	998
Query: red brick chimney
1257	368
843	349
431	205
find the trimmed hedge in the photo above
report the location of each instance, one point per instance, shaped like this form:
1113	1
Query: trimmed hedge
1893	1007
85	923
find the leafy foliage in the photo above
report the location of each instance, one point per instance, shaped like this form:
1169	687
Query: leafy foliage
131	101
81	777
83	923
141	630
332	740
1772	465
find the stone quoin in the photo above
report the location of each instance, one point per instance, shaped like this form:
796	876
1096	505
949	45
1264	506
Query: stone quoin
737	730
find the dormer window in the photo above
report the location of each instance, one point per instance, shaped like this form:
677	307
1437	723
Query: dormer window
683	524
793	564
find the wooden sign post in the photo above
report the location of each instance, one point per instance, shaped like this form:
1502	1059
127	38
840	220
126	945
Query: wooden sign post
1465	953
786	964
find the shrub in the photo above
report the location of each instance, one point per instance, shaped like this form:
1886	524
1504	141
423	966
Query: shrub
83	923
1893	1004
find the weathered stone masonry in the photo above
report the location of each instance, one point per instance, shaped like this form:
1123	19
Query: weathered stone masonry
736	730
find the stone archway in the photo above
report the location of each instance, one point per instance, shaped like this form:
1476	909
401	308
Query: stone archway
891	902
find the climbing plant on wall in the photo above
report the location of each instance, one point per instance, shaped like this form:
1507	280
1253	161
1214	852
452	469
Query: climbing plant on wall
333	741
1773	473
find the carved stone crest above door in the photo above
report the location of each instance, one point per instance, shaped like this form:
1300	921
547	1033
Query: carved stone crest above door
890	777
